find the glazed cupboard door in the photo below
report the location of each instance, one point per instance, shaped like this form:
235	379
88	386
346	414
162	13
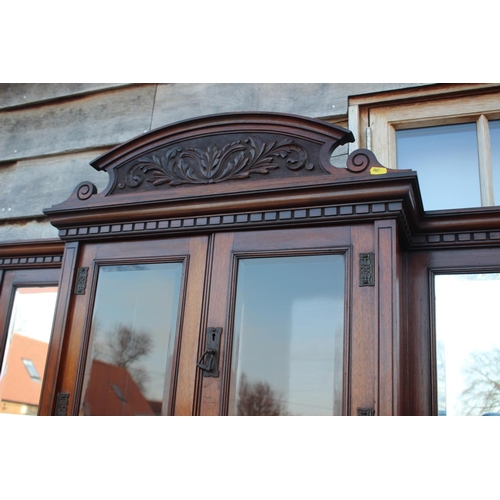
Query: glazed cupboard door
277	323
130	342
27	302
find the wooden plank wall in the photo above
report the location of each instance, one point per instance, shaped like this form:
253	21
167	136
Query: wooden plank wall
50	132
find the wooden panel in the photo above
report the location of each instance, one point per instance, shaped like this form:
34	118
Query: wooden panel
388	323
364	328
319	100
217	316
419	384
442	112
191	328
21	94
90	121
379	136
484	157
55	178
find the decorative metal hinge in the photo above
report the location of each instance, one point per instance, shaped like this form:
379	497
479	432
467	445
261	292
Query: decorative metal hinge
366	412
81	280
62	404
366	269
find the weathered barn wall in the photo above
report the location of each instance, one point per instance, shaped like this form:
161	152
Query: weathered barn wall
50	132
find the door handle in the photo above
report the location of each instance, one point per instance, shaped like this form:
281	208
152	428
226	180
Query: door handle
209	361
207	367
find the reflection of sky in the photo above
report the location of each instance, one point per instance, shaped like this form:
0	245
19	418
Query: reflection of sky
32	316
33	312
466	321
446	162
288	320
145	298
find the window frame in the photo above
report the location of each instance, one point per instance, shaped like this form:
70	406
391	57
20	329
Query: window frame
375	120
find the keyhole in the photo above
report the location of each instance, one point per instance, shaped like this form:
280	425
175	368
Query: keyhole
213	337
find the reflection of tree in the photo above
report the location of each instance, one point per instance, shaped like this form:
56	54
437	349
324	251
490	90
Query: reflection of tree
258	399
483	383
123	348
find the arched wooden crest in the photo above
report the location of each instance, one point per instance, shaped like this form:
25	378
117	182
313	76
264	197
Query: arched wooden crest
215	164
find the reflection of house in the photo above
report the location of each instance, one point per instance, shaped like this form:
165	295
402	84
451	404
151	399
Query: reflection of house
20	384
113	392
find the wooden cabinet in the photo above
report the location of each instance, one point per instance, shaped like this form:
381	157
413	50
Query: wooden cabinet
229	268
314	301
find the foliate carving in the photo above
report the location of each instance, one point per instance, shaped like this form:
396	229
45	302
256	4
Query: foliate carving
236	160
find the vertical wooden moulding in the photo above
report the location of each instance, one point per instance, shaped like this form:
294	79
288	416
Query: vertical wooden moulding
211	400
364	322
419	385
485	164
380	136
388	319
191	327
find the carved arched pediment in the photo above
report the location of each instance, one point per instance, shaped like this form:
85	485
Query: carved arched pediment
166	162
197	172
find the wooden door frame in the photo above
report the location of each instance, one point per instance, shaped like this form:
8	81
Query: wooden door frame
74	319
229	248
421	393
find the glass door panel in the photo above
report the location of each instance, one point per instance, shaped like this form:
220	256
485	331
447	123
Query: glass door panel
25	353
467	344
288	336
133	332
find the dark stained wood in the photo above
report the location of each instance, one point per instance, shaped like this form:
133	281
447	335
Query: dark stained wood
388	378
362	344
76	335
228	248
48	394
185	376
208	212
31	254
421	398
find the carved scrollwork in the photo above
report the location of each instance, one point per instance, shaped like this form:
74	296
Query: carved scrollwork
85	190
360	159
236	160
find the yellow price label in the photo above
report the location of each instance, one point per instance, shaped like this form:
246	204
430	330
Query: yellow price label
378	170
